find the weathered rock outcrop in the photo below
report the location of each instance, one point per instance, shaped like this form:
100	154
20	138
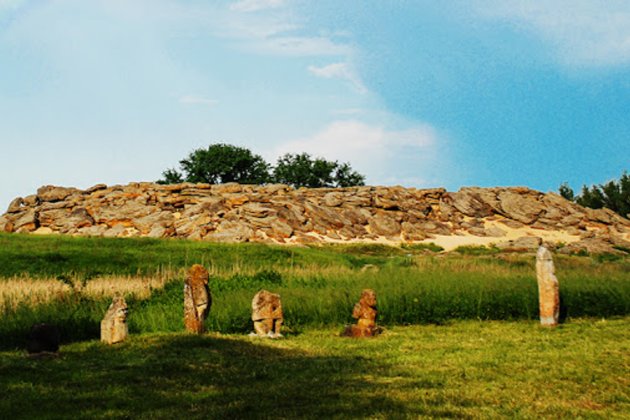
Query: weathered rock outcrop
281	214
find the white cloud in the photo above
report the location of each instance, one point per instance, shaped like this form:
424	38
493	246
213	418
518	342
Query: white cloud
339	71
348	111
301	46
373	150
255	5
197	100
278	31
582	32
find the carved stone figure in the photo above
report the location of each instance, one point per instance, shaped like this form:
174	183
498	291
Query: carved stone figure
267	314
114	324
197	299
548	290
365	313
43	339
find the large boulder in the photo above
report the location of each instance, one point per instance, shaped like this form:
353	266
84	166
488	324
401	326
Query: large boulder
524	243
521	205
53	193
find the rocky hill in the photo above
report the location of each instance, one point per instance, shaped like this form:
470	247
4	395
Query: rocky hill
513	218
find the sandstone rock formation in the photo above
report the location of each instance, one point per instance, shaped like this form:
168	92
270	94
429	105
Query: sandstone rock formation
365	313
282	214
267	314
197	299
42	339
548	290
114	324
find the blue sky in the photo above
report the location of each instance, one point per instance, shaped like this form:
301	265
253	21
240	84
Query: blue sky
415	93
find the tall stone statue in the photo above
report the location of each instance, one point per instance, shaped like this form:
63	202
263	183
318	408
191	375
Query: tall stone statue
114	324
197	299
365	313
267	314
548	290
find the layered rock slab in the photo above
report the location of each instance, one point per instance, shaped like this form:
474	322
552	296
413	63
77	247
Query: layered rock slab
282	214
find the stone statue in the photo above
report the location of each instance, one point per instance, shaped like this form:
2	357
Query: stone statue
548	290
114	324
197	299
267	314
365	312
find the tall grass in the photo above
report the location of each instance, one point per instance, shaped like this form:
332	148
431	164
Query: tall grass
318	286
405	296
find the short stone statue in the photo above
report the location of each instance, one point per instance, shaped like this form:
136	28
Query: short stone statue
365	313
267	314
197	299
114	324
43	339
548	290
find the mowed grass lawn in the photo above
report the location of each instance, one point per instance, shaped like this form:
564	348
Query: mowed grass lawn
464	369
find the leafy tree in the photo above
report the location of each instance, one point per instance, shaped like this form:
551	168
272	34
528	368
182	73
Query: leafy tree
346	177
591	197
301	170
614	195
566	191
171	176
220	163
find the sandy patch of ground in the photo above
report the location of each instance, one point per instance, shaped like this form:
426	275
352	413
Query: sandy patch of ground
450	242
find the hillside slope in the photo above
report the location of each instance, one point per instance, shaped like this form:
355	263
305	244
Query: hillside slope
512	218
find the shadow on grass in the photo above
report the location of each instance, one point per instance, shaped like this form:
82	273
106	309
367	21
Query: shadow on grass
181	376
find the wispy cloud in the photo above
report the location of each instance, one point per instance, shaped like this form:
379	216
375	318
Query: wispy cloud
372	149
197	100
591	33
301	46
339	71
348	111
277	30
255	5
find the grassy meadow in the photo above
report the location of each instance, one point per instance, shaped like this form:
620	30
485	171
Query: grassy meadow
461	340
464	369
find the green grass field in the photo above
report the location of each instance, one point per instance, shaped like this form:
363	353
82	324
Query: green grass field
465	369
462	337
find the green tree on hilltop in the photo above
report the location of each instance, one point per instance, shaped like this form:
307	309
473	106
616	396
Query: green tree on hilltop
220	163
301	170
614	195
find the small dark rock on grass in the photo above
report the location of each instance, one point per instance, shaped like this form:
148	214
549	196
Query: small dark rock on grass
43	341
